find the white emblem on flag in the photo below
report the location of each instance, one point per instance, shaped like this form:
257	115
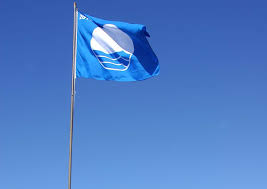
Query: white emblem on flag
112	47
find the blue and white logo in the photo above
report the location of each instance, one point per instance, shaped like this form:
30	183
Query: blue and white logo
112	47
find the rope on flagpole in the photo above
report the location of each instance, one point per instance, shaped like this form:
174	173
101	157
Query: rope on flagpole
72	89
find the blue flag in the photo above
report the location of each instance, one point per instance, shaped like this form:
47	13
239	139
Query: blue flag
111	50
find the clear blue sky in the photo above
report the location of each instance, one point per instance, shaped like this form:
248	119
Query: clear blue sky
201	124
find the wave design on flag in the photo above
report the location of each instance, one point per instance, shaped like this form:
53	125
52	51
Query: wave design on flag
116	61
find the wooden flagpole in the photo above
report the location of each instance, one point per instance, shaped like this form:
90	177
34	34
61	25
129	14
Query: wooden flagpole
72	89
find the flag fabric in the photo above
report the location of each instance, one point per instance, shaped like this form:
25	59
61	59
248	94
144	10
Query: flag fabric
111	50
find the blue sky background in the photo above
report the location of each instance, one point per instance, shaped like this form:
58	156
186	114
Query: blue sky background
201	124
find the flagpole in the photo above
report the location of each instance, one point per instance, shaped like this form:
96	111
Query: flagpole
72	89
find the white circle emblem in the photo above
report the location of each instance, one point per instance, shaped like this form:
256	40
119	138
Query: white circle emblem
112	47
